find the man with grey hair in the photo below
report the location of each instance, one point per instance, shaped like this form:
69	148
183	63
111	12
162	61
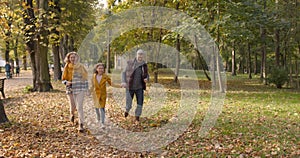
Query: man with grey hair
134	79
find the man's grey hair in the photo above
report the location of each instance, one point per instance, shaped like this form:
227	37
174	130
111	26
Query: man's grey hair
140	51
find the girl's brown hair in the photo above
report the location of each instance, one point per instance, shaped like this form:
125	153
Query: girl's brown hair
97	65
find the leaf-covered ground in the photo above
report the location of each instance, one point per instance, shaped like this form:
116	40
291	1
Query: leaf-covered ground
256	121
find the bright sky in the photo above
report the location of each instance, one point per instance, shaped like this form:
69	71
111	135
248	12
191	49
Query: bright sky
104	2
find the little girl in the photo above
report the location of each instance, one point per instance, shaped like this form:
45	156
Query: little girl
98	90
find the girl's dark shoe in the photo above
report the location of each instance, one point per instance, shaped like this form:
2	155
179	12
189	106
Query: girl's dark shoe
80	130
126	114
72	118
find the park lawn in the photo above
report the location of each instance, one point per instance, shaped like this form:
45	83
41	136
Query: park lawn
256	120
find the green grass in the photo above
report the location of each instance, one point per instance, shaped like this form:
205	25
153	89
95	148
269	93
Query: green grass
256	119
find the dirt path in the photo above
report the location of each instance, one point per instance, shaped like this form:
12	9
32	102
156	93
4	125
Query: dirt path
20	82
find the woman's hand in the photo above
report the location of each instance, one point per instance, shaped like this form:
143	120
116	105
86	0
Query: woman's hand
68	83
88	93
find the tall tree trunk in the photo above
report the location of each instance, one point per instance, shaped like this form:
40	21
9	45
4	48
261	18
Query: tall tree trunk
16	52
109	42
218	63
57	66
226	59
7	49
263	72
24	61
108	51
62	51
241	68
290	84
37	65
8	34
199	58
277	38
55	45
157	57
34	68
108	63
44	83
298	43
240	65
63	47
297	74
159	46
277	47
177	59
297	68
284	60
255	71
226	65
29	19
71	46
249	64
213	70
178	51
3	117
233	64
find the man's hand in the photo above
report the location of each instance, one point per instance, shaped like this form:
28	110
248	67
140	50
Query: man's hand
145	80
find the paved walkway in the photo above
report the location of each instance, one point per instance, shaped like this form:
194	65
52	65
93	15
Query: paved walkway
20	82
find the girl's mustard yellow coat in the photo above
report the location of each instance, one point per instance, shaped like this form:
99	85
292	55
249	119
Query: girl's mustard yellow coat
98	90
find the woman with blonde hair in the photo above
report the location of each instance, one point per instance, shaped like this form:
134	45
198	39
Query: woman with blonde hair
75	77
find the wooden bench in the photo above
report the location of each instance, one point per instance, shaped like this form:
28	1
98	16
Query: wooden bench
2	86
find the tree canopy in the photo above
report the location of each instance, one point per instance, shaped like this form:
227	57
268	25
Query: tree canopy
251	36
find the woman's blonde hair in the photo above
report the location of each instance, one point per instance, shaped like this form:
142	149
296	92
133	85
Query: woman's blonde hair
67	58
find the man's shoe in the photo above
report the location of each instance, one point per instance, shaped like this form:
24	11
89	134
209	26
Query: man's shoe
102	125
126	114
137	118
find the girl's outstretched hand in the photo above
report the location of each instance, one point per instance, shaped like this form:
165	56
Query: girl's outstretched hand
123	85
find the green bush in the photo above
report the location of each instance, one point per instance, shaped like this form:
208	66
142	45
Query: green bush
279	76
27	89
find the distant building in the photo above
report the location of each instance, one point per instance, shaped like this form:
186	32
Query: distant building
120	62
2	62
